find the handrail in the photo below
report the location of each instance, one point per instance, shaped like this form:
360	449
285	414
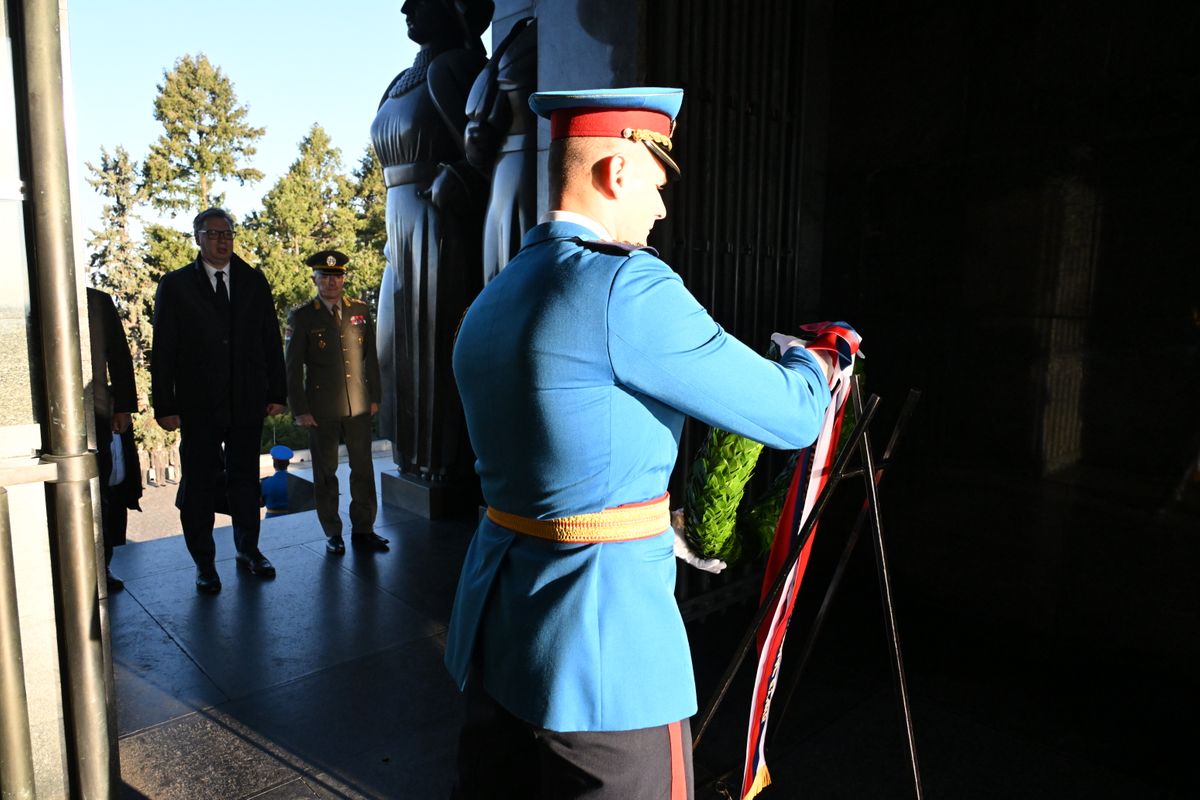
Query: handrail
48	469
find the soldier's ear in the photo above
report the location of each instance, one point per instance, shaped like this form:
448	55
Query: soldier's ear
610	174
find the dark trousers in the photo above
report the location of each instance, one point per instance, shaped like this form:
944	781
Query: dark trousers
501	757
114	519
323	442
220	473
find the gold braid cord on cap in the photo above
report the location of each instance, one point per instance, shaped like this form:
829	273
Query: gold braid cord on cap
638	134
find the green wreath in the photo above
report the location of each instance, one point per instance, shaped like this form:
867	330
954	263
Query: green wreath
716	490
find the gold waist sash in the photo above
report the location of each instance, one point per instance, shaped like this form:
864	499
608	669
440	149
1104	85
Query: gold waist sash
620	524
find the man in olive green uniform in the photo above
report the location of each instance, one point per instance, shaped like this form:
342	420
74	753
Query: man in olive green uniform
333	389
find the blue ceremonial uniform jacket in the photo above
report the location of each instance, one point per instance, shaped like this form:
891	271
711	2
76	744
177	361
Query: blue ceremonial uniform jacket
275	491
576	366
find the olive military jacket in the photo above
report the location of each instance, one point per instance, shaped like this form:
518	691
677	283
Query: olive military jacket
332	370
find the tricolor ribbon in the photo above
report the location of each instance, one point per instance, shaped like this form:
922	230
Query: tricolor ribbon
811	474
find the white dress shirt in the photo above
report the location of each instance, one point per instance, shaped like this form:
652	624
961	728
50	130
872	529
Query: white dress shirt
212	276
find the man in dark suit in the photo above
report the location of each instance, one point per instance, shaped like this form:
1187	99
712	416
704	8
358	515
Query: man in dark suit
333	389
216	371
114	397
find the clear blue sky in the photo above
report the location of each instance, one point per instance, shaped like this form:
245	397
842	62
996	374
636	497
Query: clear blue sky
292	63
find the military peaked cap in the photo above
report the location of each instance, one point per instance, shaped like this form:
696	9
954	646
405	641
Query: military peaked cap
644	114
332	261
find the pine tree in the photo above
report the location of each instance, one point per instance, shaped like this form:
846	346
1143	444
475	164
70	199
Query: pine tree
370	212
310	208
205	137
130	271
118	262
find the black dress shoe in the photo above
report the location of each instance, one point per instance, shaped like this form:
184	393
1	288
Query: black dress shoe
115	584
335	546
369	541
256	564
208	582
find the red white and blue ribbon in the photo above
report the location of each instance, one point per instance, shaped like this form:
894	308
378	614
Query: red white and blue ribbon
812	473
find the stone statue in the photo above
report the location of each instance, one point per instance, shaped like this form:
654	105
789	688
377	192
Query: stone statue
435	203
502	139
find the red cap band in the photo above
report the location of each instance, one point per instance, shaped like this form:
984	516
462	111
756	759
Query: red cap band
605	122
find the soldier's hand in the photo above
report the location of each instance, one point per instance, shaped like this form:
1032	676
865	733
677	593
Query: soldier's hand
684	551
275	408
374	409
170	423
121	421
306	421
786	342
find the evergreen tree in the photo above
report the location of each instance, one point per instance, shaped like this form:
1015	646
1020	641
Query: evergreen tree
205	137
116	264
310	208
370	212
166	249
130	271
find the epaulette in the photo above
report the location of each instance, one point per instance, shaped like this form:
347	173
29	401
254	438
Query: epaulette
615	248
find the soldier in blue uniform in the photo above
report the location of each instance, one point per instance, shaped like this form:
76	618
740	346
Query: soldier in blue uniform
576	367
275	486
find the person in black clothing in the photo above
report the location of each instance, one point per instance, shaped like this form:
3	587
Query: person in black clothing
216	371
114	396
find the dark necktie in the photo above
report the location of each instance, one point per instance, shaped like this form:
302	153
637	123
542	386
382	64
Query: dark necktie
337	315
222	293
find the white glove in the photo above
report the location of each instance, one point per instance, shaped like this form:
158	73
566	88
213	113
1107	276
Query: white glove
684	551
786	342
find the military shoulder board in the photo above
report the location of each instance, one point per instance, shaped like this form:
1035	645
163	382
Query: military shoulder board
615	248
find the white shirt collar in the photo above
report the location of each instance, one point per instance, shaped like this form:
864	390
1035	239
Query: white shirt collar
578	219
212	270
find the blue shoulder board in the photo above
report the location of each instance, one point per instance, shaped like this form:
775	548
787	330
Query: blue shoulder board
615	248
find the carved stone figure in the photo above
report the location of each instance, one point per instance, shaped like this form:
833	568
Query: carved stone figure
435	202
502	139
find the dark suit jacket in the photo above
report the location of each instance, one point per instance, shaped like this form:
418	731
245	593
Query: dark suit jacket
113	391
332	371
194	373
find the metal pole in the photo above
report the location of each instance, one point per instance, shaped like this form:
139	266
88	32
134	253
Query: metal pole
16	751
768	602
885	591
69	501
843	562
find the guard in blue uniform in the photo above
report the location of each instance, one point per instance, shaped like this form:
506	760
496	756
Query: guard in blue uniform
576	366
275	486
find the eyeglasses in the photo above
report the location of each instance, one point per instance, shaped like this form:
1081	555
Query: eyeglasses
223	235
